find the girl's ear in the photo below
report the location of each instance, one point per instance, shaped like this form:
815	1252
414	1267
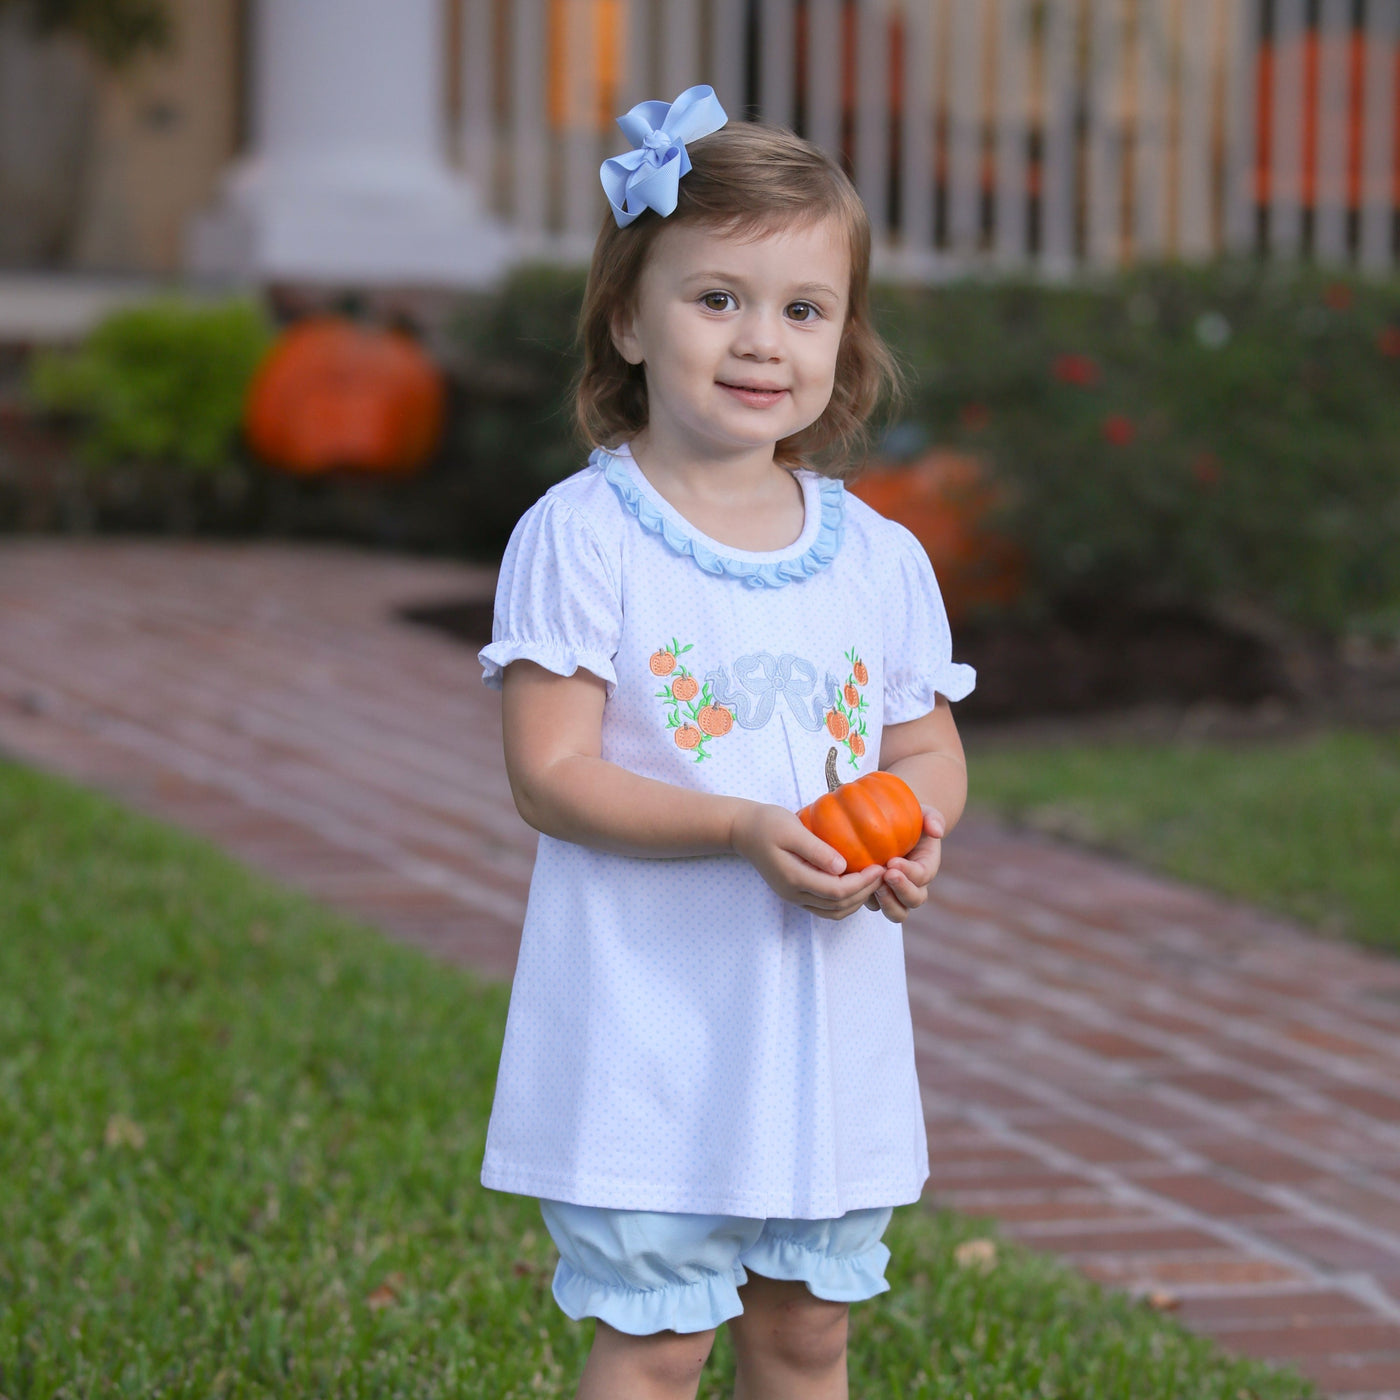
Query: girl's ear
624	336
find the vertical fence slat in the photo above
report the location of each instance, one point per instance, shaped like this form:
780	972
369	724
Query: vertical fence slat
1151	137
581	156
965	127
1059	88
1192	72
916	132
1009	112
1378	135
1286	129
638	84
777	41
529	54
680	47
1333	122
478	145
1240	64
1104	196
1195	106
823	94
727	52
872	144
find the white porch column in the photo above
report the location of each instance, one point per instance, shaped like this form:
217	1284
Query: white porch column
348	178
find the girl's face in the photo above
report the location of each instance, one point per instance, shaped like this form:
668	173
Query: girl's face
739	339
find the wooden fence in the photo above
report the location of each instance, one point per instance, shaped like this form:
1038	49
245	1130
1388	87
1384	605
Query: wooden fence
1048	135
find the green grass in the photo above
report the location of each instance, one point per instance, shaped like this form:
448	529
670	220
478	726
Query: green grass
1309	827
239	1150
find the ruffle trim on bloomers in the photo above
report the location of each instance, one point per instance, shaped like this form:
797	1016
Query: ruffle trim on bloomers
675	1307
840	1278
706	1302
754	573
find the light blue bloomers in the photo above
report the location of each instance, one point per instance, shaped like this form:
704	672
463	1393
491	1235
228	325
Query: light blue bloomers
653	1271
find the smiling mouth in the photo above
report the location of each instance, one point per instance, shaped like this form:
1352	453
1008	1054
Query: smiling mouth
752	392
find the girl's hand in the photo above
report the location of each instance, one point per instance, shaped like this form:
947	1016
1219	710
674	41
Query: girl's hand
798	866
907	878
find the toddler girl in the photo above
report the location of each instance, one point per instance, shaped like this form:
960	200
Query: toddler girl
708	1072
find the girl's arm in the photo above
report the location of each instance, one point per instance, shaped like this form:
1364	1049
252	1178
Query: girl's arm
928	754
553	725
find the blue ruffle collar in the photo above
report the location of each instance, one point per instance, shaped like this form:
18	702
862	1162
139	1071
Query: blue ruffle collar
809	554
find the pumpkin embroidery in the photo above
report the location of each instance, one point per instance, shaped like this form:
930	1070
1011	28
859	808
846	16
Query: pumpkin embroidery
692	713
845	720
698	711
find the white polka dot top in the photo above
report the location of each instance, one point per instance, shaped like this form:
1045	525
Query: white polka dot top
679	1038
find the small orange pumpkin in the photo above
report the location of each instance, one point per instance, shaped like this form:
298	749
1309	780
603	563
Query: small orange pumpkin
870	821
331	393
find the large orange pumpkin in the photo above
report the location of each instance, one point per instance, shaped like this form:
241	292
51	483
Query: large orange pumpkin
870	821
331	393
944	498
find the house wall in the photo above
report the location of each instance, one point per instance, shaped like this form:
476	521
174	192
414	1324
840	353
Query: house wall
164	132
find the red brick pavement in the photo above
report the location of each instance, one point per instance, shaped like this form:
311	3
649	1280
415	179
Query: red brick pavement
1175	1093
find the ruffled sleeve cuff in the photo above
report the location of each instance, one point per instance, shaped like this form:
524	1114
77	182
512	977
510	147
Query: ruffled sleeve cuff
558	657
953	680
918	641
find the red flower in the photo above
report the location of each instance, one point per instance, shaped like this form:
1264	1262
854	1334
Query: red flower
1337	295
1118	430
1388	341
1205	467
1073	368
974	416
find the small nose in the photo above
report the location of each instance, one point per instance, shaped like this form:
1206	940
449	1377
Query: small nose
758	336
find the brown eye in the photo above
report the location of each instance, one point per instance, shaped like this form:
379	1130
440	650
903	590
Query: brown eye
803	311
716	301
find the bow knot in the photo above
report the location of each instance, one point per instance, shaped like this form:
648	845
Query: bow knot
648	176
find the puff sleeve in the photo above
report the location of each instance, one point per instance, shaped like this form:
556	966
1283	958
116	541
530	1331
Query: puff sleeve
557	598
919	662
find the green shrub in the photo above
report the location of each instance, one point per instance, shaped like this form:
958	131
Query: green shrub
513	438
160	382
1218	435
1195	436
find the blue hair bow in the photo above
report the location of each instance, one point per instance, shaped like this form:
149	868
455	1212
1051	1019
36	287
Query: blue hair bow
648	177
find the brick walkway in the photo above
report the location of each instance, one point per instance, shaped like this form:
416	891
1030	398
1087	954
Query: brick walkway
1172	1092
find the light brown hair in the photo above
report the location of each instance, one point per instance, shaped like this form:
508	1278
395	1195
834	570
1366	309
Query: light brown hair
746	179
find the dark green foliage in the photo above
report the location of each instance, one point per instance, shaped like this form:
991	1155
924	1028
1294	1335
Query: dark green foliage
514	437
1234	438
116	31
1218	436
161	382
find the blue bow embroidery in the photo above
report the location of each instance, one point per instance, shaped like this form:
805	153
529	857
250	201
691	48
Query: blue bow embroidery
648	177
765	677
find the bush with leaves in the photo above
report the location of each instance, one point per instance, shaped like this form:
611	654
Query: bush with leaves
1221	436
116	31
514	361
161	382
